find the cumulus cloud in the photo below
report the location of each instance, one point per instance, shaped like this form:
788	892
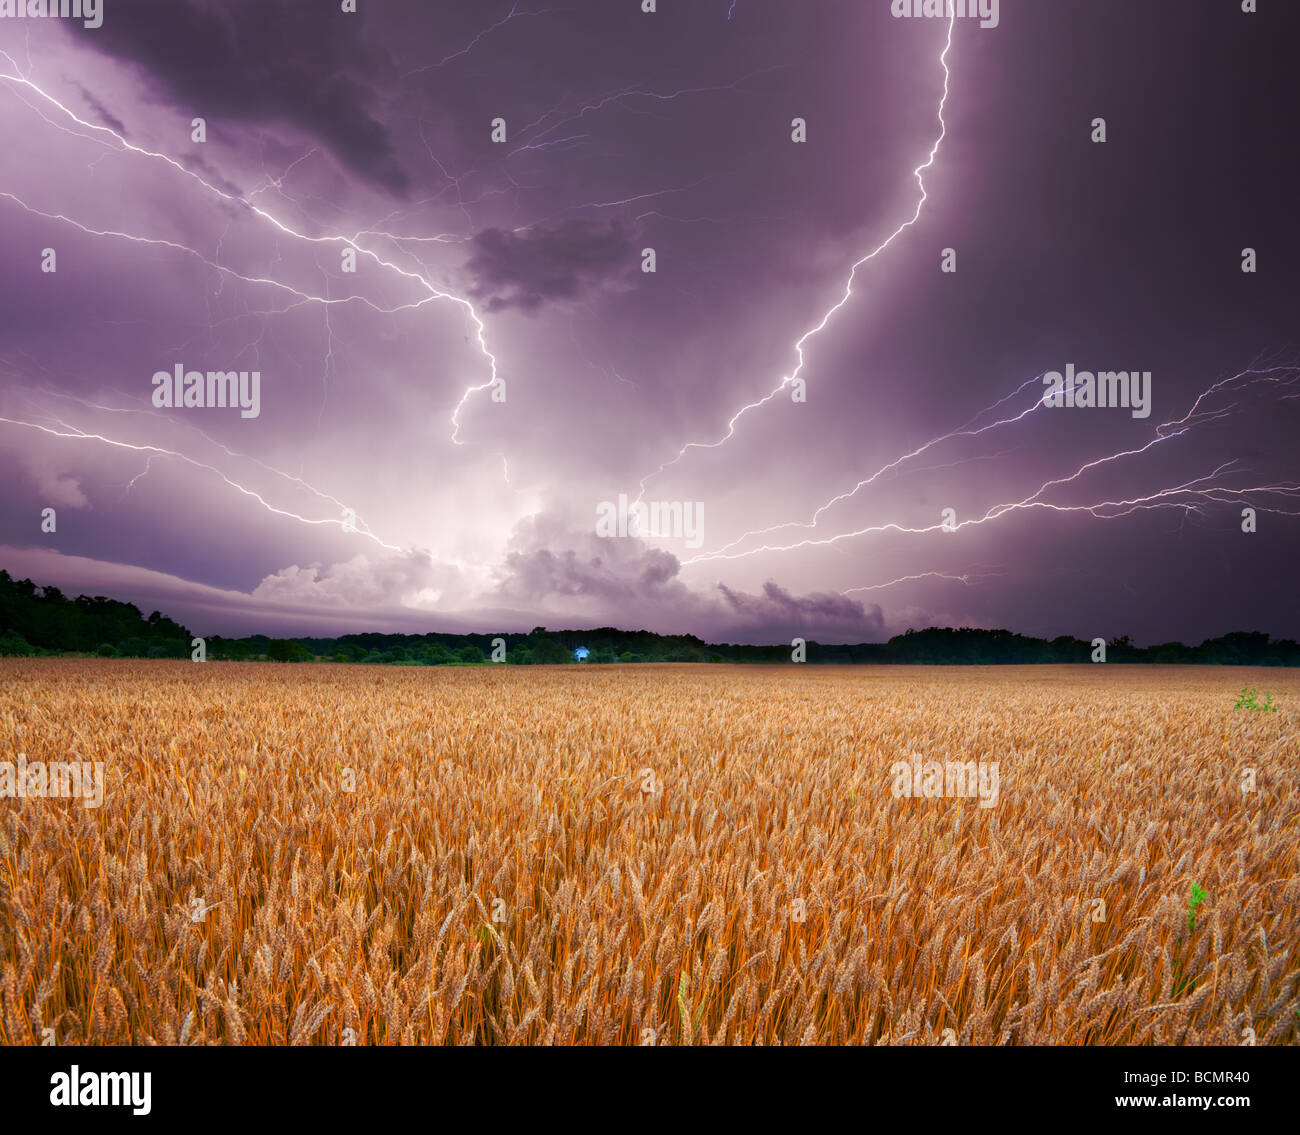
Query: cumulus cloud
548	560
55	488
411	579
629	582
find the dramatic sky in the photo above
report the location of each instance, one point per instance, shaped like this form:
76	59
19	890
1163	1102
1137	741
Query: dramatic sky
798	373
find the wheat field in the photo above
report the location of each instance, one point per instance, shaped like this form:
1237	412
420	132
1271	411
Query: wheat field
648	854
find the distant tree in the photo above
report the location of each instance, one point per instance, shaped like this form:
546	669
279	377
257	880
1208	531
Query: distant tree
469	653
107	650
547	651
287	650
15	646
684	654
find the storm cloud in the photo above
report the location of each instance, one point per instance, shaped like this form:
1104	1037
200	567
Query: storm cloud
548	263
305	64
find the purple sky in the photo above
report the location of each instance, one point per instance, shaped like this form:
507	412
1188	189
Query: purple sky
329	131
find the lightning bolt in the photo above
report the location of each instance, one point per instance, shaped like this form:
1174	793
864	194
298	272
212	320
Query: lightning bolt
73	433
304	297
547	145
817	328
1199	490
965	578
633	91
961	431
433	292
320	494
514	11
148	464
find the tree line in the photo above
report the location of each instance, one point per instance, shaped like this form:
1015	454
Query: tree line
37	621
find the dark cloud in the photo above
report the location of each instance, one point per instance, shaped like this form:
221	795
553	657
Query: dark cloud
566	573
293	61
621	570
777	608
214	177
105	116
551	563
525	270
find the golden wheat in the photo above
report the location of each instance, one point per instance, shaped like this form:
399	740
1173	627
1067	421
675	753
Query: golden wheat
647	854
